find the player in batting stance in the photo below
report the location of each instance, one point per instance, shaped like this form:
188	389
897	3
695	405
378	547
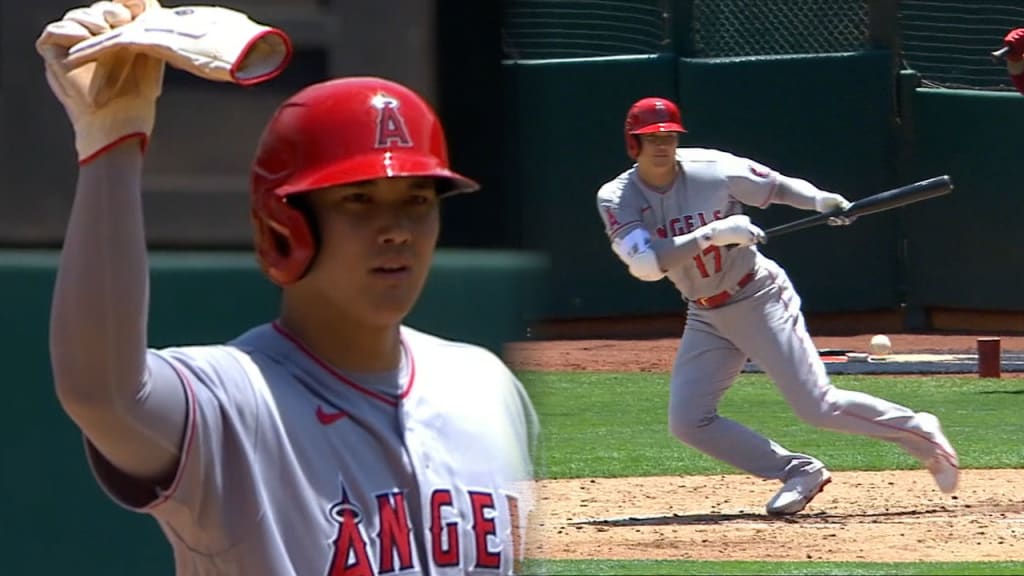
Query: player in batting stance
332	440
677	213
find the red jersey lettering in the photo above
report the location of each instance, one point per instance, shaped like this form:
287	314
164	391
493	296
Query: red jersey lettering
444	536
395	533
483	528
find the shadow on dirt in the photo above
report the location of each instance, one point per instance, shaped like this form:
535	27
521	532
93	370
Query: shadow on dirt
746	517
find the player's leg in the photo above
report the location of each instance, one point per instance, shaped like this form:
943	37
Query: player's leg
705	367
777	339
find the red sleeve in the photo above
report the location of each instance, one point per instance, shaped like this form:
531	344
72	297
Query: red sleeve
1018	81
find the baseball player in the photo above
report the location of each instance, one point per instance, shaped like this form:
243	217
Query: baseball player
332	440
677	213
1014	40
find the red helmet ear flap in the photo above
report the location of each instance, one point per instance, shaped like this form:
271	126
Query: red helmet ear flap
632	145
284	241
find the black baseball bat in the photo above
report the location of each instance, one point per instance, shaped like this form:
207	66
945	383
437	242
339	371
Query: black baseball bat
895	198
1001	53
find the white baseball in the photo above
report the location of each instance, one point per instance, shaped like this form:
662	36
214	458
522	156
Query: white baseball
880	345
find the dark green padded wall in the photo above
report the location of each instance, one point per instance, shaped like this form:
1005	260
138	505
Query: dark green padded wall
964	249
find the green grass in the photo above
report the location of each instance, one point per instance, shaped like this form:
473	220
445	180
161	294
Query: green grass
611	425
809	568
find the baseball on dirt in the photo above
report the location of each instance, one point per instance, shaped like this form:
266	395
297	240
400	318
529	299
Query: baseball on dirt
880	345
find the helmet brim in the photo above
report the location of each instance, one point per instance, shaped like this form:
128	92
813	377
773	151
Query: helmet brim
390	164
659	127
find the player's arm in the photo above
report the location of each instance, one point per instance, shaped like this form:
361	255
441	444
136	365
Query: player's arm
132	411
631	242
1016	70
801	194
734	230
649	258
757	185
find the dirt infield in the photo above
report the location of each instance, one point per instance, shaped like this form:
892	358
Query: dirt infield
656	354
862	516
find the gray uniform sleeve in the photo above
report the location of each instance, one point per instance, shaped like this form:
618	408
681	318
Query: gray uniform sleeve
620	217
130	406
797	193
757	185
218	466
749	182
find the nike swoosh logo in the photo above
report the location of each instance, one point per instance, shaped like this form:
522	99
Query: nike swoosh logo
328	418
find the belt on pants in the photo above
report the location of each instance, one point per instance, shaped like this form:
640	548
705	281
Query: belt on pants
716	300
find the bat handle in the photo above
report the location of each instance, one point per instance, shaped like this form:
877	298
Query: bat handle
1001	53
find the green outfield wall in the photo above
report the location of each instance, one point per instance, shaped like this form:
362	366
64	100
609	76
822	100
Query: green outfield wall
56	519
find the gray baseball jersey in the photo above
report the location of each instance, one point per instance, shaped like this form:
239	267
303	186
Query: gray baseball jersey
290	467
760	320
713	185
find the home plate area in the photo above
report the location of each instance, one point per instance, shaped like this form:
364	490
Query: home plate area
838	361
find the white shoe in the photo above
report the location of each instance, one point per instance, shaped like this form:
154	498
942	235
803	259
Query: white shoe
798	492
944	465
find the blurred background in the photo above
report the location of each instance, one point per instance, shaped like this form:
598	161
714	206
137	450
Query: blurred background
197	169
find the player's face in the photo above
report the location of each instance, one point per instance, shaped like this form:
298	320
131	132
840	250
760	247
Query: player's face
658	149
377	240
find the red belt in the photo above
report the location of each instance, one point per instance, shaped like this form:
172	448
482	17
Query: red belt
716	300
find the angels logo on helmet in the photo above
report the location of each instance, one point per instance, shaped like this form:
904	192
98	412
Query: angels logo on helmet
391	130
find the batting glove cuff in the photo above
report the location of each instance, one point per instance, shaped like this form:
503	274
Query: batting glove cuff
210	42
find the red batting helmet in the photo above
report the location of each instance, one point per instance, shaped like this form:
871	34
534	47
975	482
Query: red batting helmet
650	115
332	133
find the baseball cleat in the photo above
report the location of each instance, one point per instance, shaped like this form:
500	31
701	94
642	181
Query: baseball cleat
798	492
944	465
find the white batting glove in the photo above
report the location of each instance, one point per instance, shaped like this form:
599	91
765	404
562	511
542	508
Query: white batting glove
109	100
210	42
736	229
827	202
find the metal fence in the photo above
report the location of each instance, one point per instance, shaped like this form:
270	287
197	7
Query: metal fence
549	29
729	28
946	41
